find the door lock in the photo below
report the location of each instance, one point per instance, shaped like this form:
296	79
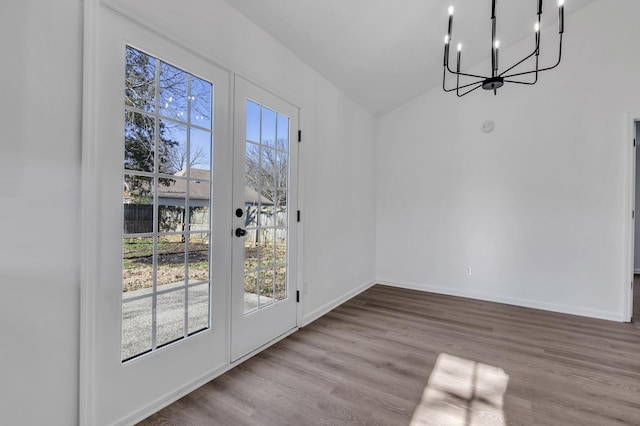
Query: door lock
240	232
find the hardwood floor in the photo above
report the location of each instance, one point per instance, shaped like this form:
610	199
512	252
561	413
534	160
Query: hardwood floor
369	360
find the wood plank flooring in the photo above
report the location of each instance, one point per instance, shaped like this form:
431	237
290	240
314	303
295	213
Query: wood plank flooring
368	361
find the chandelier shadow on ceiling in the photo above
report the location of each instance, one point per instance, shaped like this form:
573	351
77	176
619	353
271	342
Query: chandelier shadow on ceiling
497	80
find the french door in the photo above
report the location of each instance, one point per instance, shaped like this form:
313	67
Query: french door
265	223
156	281
175	164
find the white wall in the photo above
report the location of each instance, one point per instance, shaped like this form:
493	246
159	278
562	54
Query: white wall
39	219
536	208
40	116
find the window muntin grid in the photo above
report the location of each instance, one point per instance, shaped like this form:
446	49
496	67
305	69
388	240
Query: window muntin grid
266	220
167	192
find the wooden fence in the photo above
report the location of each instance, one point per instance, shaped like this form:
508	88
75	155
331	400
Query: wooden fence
138	218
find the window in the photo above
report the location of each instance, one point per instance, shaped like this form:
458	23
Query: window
166	282
267	188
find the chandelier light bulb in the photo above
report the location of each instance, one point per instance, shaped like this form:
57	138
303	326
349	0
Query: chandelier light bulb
446	39
497	44
451	10
459	47
560	3
536	27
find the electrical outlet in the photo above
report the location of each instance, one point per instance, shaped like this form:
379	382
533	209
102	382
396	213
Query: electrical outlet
468	270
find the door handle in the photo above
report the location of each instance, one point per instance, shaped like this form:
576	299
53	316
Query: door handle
240	232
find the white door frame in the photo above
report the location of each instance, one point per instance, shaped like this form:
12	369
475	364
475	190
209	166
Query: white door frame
629	220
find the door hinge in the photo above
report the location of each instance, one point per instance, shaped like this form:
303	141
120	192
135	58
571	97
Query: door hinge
299	135
631	285
633	214
298	296
298	215
634	142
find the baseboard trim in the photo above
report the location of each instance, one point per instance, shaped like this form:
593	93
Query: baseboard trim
322	310
525	303
172	397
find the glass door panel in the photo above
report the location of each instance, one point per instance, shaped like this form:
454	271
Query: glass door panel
265	188
166	204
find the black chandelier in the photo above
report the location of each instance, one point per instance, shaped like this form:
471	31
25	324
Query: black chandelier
497	80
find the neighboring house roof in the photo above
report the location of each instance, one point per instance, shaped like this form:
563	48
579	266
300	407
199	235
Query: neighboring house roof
251	196
199	189
177	188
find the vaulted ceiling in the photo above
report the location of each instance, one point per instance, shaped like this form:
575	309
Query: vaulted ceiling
382	53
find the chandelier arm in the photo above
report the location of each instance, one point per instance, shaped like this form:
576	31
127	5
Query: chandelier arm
542	69
470	84
444	74
464	74
532	71
479	85
444	77
460	87
518	63
530	83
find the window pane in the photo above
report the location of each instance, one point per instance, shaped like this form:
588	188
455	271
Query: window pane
250	292
200	150
281	221
281	245
253	122
251	216
267	212
281	283
171	214
282	133
201	102
170	317
136	327
199	218
198	258
137	197
171	260
173	92
267	252
252	167
137	266
172	146
282	170
140	80
268	163
268	127
198	308
266	286
281	198
139	131
250	255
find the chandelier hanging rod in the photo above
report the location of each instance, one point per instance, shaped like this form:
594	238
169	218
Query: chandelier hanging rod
497	80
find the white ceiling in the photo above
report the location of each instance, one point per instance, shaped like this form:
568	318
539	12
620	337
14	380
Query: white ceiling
383	53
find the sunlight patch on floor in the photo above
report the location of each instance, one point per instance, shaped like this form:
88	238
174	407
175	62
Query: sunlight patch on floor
462	392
